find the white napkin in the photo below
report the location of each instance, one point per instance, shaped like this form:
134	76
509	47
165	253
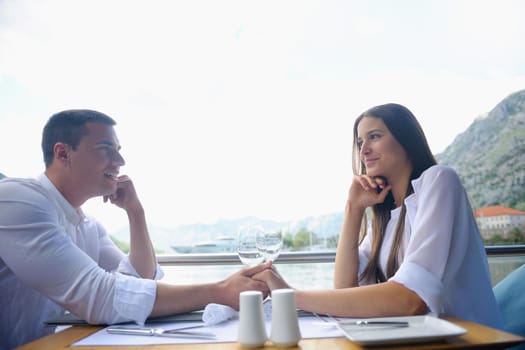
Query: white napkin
216	313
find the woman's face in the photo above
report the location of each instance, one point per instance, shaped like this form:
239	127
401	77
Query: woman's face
380	152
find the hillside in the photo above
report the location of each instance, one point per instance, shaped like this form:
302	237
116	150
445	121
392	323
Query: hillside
324	226
490	155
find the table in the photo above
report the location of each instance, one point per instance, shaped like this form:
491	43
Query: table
477	337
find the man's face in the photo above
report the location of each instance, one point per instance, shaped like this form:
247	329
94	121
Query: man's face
96	162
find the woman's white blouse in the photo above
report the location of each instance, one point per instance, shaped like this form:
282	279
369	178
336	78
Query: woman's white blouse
53	258
443	258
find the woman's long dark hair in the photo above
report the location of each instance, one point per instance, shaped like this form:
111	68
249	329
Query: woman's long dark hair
408	133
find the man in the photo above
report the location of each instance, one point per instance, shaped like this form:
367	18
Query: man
53	258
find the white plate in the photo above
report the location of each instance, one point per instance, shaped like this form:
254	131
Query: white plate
420	329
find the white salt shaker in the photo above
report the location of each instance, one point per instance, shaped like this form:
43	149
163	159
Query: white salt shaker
252	327
285	330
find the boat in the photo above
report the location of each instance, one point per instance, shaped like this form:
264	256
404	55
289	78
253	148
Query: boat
223	244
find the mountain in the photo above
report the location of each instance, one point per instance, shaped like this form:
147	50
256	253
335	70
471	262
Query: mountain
489	158
490	155
324	226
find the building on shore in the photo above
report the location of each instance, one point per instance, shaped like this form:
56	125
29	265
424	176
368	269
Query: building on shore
497	219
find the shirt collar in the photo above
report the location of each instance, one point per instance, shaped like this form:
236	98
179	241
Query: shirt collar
75	216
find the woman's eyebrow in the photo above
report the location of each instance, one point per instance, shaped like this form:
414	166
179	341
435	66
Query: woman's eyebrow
374	130
369	132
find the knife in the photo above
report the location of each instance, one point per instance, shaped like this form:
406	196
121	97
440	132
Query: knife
367	324
159	332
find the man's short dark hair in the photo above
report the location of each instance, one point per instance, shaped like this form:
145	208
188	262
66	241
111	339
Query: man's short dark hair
69	127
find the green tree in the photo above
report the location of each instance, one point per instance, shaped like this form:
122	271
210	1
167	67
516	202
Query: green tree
331	242
304	239
124	246
495	239
515	236
520	206
288	240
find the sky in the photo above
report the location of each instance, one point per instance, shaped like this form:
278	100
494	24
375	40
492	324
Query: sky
227	109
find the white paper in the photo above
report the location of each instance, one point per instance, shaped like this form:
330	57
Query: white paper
225	332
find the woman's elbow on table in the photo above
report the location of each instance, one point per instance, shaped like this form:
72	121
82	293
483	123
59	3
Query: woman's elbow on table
410	302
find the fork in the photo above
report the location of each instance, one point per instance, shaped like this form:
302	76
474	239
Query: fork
332	321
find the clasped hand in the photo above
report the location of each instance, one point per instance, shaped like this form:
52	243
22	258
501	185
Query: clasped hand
271	277
125	196
366	191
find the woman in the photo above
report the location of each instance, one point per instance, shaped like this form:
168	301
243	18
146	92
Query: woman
424	253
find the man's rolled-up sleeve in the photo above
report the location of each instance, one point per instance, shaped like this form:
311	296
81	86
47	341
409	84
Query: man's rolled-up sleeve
133	299
37	250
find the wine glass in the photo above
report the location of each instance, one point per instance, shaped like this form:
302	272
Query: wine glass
273	242
251	245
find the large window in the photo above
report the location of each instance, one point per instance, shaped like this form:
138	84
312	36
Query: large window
240	112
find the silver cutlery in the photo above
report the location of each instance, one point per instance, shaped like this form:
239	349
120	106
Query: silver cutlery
370	324
363	323
182	332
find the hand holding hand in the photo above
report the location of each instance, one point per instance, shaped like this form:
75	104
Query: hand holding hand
272	278
241	281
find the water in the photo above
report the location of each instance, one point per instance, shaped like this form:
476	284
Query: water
250	258
251	245
307	275
501	266
301	276
272	254
273	241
